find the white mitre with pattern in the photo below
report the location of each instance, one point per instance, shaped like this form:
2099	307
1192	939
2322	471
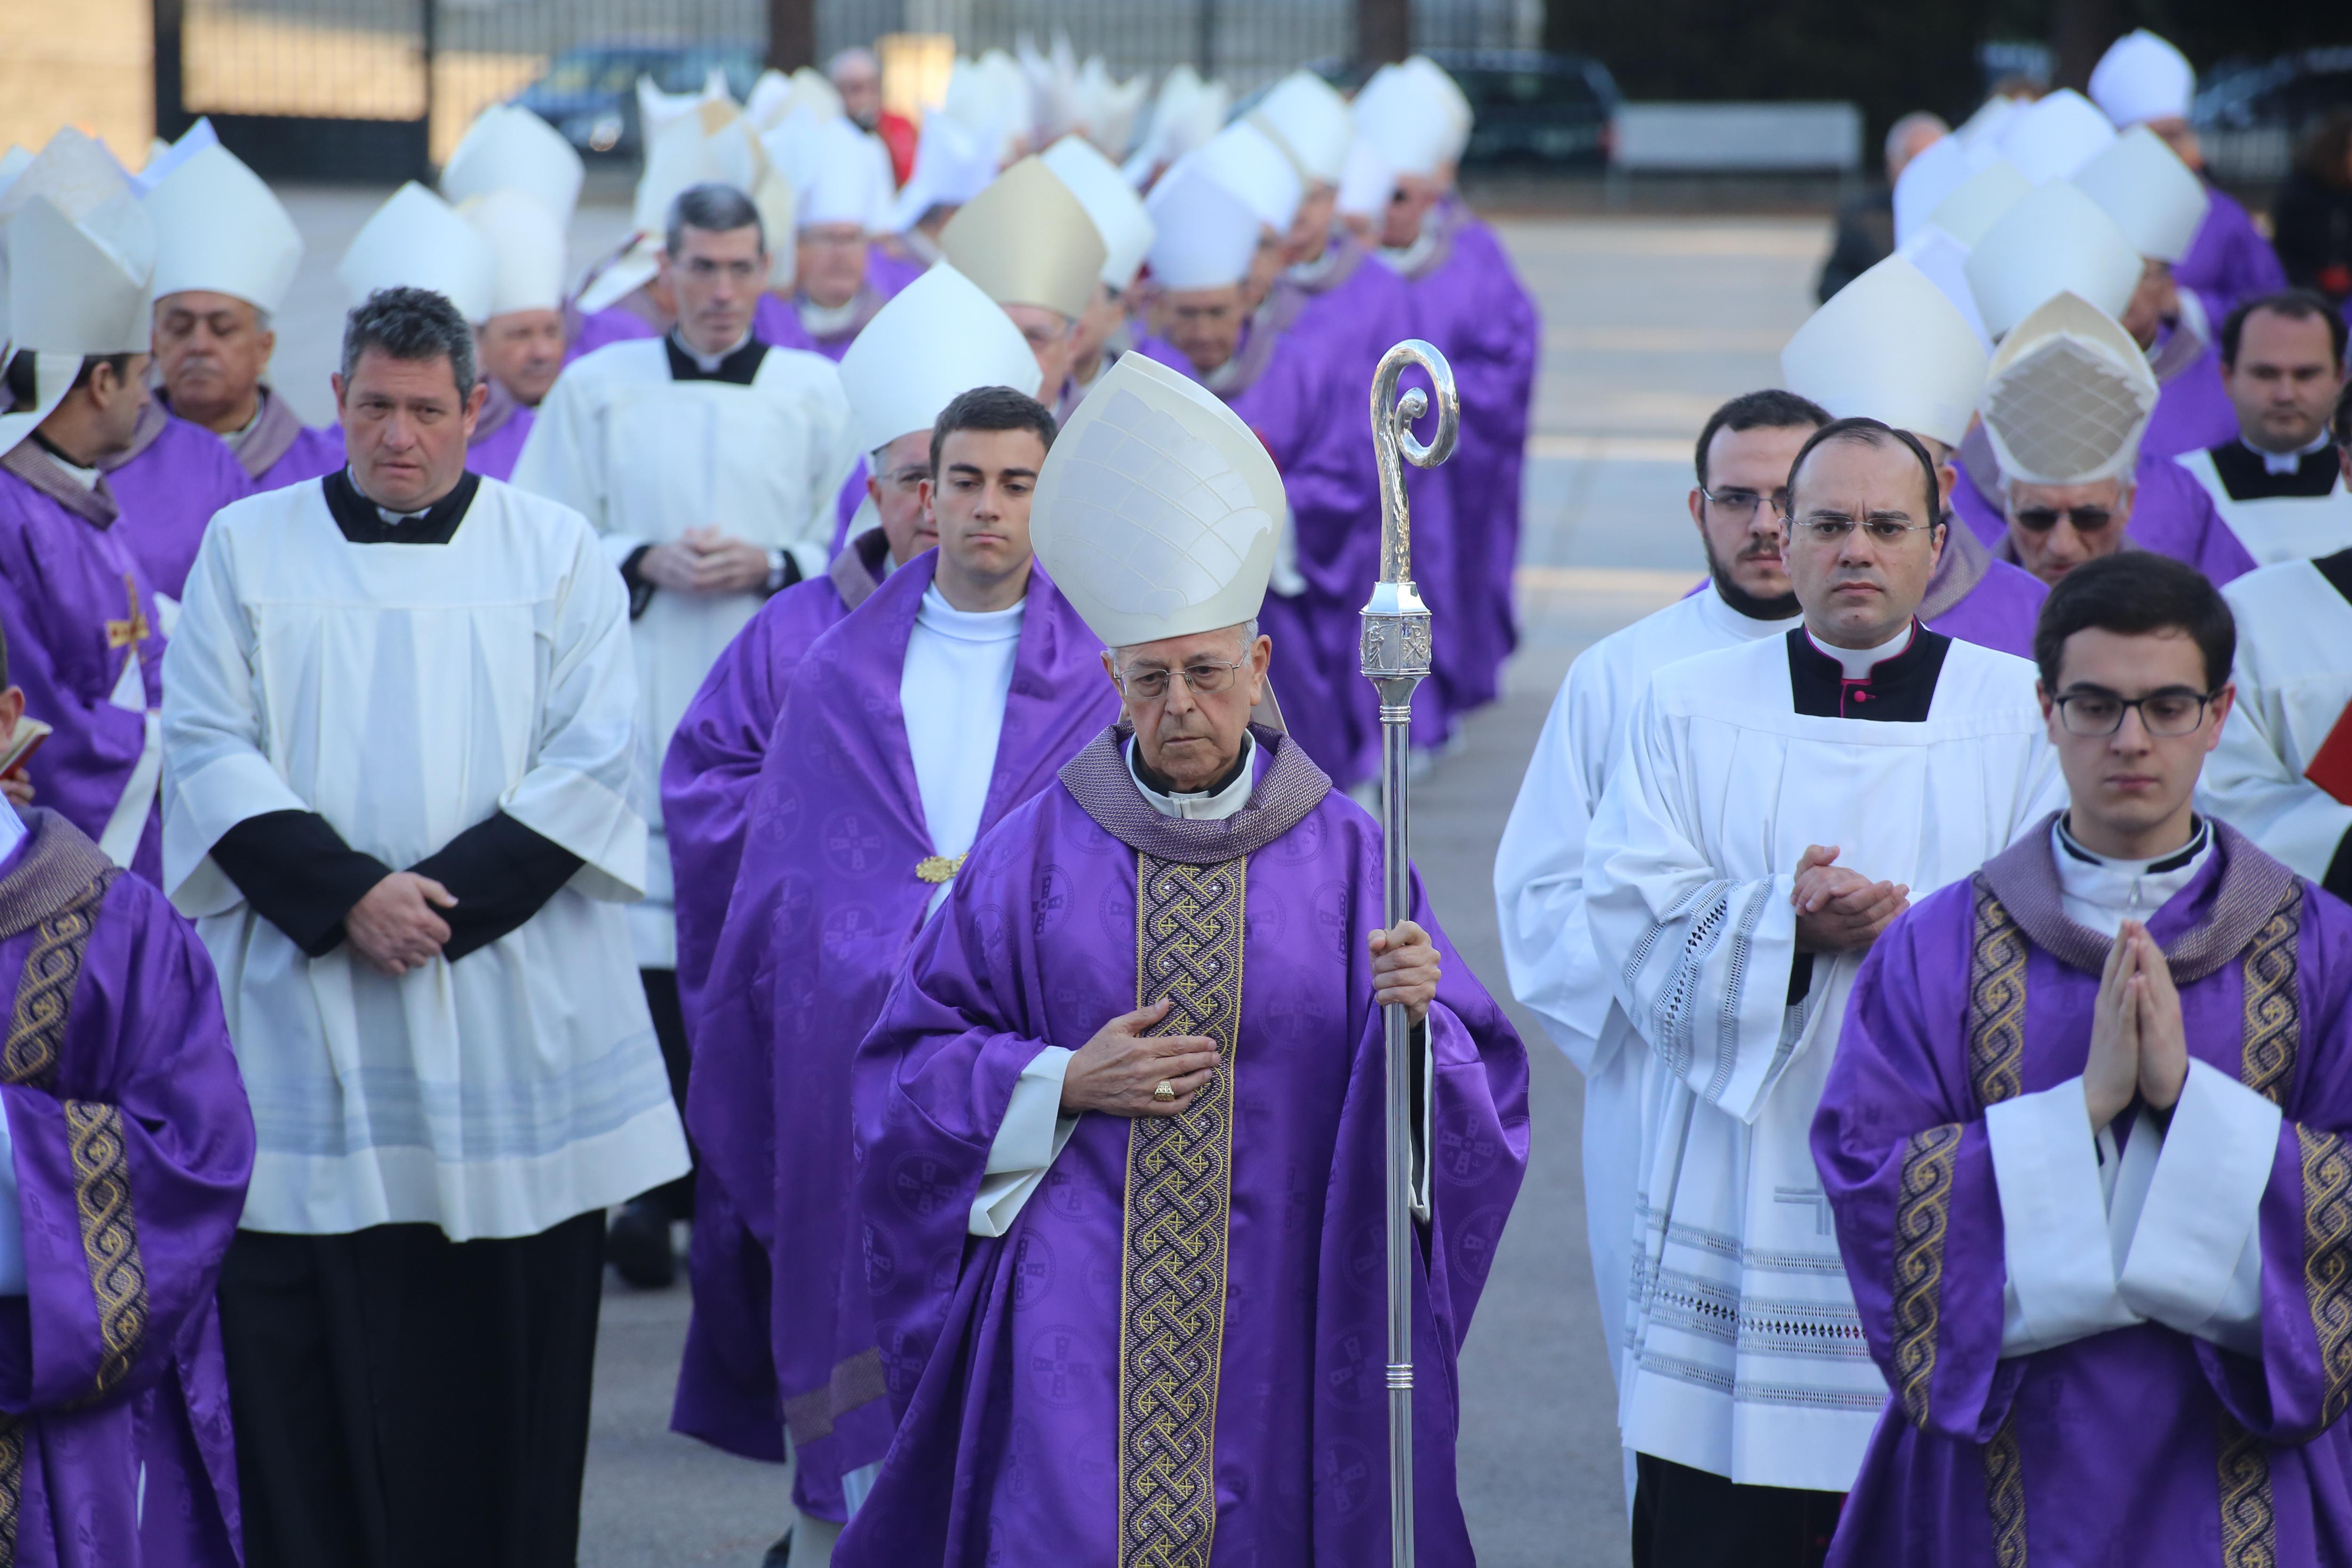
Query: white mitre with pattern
2068	396
1157	511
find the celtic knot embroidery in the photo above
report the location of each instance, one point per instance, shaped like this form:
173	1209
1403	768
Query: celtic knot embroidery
2273	1025
2328	1260
110	1236
1921	1215
12	1483
2005	1495
2248	1520
1188	937
44	988
1996	1001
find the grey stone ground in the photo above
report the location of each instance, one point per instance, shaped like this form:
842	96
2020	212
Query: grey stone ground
1649	323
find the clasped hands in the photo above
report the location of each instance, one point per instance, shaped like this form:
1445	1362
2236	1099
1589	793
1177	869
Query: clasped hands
1838	909
705	561
395	928
2138	1042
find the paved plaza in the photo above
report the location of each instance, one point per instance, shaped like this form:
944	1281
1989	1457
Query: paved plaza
1649	324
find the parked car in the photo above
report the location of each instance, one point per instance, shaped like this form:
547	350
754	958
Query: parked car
2252	119
590	93
1532	107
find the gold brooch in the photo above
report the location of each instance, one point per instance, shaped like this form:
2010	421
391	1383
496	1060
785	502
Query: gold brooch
937	869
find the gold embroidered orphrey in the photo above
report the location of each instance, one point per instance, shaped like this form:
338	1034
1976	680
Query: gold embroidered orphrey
1188	949
2248	1518
937	869
2005	1494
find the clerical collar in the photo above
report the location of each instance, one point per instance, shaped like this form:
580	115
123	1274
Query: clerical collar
828	320
1411	258
2250	473
737	365
363	522
1742	621
85	478
2102	894
1857	663
2287	461
1308	274
1895	687
1222	798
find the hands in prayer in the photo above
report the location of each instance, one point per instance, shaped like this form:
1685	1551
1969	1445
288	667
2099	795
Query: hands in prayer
1117	1070
1404	969
2137	1040
704	560
395	928
1841	911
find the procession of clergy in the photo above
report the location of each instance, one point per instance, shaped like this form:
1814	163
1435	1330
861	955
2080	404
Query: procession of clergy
867	683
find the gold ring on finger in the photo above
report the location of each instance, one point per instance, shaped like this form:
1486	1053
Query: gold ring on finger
1164	1092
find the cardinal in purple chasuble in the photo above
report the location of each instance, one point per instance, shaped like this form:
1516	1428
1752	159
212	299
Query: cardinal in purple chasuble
1179	1334
131	1147
174	476
838	873
2158	1382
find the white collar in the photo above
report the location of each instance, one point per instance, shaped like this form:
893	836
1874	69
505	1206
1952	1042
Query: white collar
1315	271
936	614
1857	663
825	321
386	513
707	363
1199	805
85	478
2111	892
1414	257
2286	462
1722	616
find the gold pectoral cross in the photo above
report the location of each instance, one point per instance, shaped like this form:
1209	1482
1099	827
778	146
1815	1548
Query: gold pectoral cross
130	632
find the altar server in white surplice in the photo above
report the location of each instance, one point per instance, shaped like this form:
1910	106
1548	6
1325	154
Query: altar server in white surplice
399	804
1776	804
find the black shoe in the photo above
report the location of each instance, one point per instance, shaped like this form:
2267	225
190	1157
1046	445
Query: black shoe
780	1555
637	1244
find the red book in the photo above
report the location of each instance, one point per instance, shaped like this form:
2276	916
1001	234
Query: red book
2331	766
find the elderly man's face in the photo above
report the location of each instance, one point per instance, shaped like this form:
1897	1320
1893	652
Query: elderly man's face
2054	529
1190	699
1273	250
2284	381
406	427
858	80
1204	325
524	351
211	350
1861	540
1053	338
832	262
2155	302
1103	314
717	277
1409	203
1310	231
895	478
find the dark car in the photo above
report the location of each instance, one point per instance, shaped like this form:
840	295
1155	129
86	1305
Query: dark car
1531	106
2252	119
590	93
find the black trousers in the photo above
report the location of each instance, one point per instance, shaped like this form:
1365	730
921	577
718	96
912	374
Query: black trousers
1685	1518
404	1401
677	1197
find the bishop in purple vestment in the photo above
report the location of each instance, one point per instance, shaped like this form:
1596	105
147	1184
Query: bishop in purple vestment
498	434
169	482
132	1145
277	449
2192	409
2229	262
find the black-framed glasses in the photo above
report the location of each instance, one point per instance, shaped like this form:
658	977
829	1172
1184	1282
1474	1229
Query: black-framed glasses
2172	712
1740	506
2086	520
1204	677
1831	528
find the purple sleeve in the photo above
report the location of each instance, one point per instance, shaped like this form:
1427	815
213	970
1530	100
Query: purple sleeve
846	504
1908	1166
131	1174
83	766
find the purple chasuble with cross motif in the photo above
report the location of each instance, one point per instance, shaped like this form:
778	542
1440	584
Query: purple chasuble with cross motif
132	1147
2138	1443
1179	1339
830	894
169	484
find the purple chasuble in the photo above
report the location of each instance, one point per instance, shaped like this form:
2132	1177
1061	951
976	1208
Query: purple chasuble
76	610
888	272
498	436
1307	408
776	322
1468	301
2193	411
2172	514
2229	262
133	1146
829	897
1182	1331
845	503
277	449
169	484
1979	600
2138	1444
594	330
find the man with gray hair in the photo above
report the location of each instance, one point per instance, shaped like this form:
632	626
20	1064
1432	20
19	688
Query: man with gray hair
401	748
707	461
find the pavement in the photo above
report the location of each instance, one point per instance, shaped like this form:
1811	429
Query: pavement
1649	323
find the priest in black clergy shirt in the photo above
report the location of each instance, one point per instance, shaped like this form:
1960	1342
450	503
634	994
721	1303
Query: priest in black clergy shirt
399	739
2280	484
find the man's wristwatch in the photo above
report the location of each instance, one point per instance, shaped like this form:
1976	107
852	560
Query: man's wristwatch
782	571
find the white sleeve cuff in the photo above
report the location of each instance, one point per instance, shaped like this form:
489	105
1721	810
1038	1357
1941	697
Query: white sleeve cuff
2188	1266
2053	1216
1028	1141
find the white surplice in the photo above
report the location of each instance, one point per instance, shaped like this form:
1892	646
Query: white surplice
1745	1354
405	693
2294	673
644	458
1539	899
2278	528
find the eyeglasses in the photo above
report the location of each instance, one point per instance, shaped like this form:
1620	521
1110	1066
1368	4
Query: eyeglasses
1738	506
1830	530
1203	679
2041	519
907	479
2175	711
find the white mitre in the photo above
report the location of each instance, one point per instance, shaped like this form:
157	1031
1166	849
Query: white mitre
2154	197
1443	94
164	157
526	246
509	148
2142	77
2067	396
219	229
1977	203
1118	214
1207	236
1156	511
2055	136
1248	162
2053	240
1924	184
1108	109
1890	345
938	338
656	109
1307	115
679	153
839	180
1405	122
1026	240
75	289
952	165
77	176
1367	182
1944	262
416	240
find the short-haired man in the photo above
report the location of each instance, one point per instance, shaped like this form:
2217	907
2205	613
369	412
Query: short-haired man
909	729
707	461
2278	484
2085	1143
406	666
1775	803
1119	1144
